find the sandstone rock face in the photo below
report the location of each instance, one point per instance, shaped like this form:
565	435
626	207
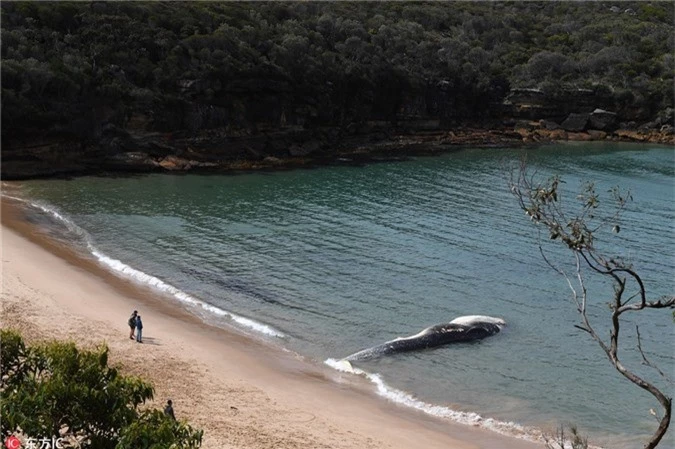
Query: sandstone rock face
530	96
579	137
549	125
596	134
631	135
653	136
271	160
527	124
575	122
603	120
305	149
173	163
524	133
556	134
538	104
176	163
189	135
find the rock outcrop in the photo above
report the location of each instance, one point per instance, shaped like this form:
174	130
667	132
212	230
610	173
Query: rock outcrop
603	120
582	115
198	137
575	122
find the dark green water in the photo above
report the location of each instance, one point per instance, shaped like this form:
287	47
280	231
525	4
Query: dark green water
329	261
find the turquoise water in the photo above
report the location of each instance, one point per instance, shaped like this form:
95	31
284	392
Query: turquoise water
328	261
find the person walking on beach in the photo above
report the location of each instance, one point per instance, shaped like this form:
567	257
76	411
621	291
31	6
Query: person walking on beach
168	410
132	324
139	329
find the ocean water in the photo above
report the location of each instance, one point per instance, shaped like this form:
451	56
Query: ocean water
328	261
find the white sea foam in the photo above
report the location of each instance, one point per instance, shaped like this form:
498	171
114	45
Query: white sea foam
50	211
129	272
180	295
408	400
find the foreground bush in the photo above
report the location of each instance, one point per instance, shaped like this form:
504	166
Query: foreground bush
53	386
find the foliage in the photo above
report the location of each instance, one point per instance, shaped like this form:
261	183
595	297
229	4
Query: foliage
562	441
55	385
68	64
153	430
576	229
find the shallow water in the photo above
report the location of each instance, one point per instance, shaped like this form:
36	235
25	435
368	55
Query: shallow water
329	261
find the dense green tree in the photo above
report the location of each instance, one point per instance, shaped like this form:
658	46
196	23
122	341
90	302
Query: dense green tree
64	62
52	386
153	430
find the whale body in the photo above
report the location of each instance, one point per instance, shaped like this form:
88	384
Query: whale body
462	329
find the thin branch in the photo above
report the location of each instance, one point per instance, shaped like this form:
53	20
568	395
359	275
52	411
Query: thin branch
583	286
660	304
582	328
644	358
584	315
630	298
642	292
575	295
541	202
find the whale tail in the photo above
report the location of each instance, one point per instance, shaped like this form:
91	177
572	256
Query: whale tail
347	365
342	365
471	320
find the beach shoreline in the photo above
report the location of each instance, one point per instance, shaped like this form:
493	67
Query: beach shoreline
242	392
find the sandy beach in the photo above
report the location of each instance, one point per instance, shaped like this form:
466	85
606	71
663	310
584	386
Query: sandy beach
241	392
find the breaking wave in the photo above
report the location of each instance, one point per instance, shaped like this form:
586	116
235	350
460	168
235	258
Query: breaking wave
120	268
408	400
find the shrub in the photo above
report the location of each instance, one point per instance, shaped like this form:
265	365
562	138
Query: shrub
53	386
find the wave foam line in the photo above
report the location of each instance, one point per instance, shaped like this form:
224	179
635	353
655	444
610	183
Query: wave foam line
70	225
120	267
408	400
157	283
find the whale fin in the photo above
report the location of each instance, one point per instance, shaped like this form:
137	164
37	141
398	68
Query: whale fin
345	365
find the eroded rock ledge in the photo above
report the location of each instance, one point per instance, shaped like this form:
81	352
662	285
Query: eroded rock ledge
158	152
137	145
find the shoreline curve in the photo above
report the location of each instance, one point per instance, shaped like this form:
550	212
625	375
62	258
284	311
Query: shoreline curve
43	280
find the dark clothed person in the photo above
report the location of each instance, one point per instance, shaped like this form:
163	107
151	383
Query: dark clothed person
168	410
139	329
132	324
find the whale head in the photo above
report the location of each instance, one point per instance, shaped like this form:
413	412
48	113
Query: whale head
471	320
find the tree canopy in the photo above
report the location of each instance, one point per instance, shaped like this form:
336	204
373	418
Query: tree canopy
57	390
66	65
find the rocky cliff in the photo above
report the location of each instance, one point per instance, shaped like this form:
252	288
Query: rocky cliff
271	135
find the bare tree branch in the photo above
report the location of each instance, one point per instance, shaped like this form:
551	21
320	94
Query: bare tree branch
542	202
645	361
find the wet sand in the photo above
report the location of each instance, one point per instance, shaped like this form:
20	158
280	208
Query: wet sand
241	392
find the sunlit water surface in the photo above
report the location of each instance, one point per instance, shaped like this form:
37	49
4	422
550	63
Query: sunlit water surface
328	261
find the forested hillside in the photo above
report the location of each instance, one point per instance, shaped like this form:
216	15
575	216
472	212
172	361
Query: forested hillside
84	69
